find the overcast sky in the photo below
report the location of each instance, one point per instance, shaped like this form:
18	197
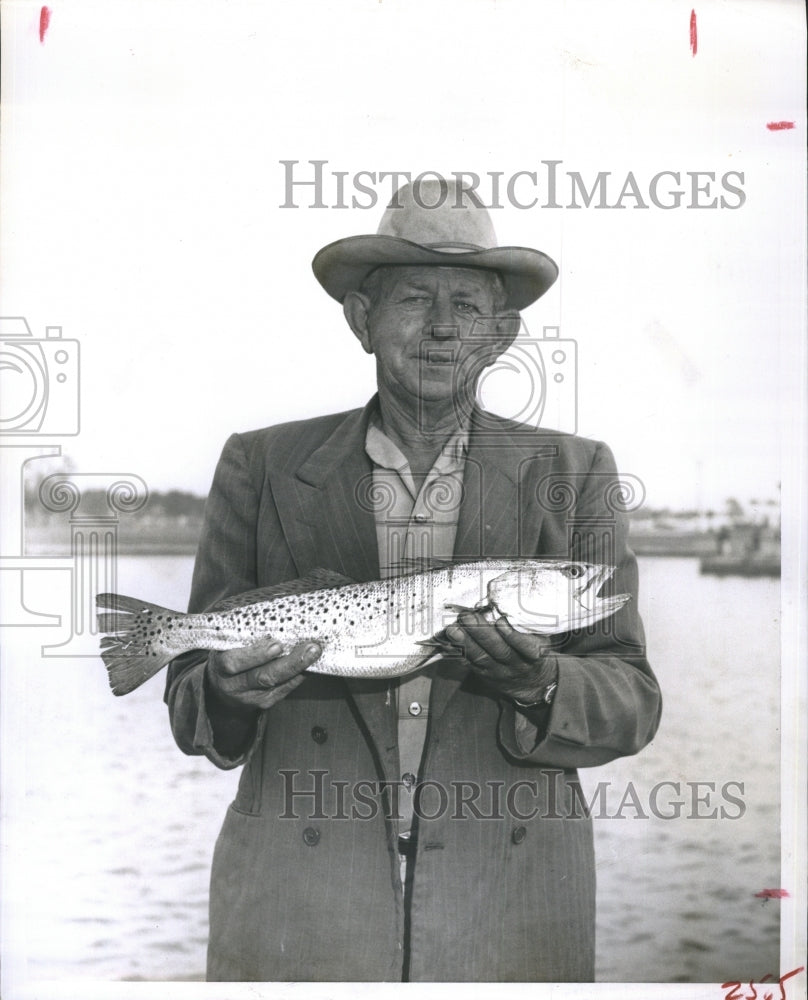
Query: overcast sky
142	185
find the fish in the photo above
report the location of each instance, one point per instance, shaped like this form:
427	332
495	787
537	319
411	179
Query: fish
380	629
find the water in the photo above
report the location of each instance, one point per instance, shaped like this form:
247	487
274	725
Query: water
112	828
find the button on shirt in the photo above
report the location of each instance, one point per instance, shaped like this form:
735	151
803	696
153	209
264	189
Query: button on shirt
414	525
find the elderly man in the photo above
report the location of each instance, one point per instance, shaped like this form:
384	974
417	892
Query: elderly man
426	829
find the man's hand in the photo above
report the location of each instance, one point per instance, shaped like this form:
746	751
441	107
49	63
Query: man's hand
242	682
512	662
257	676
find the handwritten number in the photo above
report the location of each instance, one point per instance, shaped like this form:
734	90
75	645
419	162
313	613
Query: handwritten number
736	994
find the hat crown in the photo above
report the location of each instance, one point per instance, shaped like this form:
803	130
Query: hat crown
440	214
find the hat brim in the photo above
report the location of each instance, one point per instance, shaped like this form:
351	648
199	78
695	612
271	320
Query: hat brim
341	267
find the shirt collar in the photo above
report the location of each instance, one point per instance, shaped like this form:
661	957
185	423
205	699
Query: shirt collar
384	452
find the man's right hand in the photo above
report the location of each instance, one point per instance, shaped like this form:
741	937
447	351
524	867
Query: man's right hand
253	678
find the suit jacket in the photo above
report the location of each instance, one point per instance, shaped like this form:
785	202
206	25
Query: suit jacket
305	881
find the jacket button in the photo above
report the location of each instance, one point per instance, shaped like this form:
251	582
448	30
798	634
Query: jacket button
311	836
519	834
319	735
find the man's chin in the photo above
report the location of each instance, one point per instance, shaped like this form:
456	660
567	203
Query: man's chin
431	395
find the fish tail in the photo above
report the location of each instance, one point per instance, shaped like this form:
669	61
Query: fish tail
128	604
129	652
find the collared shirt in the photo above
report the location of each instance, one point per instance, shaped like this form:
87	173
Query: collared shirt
414	525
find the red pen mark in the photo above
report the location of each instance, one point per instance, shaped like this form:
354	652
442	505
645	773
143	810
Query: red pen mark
778	126
772	894
44	21
694	34
737	992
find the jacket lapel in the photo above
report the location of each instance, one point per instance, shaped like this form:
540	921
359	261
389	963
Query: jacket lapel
330	522
501	515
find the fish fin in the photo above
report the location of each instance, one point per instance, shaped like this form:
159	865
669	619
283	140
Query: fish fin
129	659
127	670
434	646
424	661
407	565
129	604
113	621
440	644
460	609
317	579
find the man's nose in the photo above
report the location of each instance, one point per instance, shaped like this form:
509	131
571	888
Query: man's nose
439	323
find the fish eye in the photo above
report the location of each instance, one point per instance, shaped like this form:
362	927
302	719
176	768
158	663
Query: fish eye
573	572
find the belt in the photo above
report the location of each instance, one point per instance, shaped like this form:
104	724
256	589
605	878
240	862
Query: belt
407	845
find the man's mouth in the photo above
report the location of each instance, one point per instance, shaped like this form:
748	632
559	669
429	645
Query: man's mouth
438	356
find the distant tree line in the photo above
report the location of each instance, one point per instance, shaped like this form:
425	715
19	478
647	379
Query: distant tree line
175	503
168	505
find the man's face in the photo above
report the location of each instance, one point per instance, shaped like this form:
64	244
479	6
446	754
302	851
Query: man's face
420	331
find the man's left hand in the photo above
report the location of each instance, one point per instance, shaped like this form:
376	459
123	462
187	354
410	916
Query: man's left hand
514	663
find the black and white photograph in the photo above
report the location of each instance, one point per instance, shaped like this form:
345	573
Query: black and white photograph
403	531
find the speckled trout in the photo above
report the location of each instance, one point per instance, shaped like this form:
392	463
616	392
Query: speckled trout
385	628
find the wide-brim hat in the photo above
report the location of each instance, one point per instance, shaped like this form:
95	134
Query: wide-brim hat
435	222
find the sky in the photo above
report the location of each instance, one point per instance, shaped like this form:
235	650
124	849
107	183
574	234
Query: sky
143	179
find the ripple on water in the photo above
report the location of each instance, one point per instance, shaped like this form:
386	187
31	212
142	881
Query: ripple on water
689	944
168	946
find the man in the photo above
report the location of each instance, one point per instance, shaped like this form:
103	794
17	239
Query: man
481	867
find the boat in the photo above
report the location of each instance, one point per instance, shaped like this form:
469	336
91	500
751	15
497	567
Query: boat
745	550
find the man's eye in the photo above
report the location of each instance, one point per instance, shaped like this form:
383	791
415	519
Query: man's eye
467	307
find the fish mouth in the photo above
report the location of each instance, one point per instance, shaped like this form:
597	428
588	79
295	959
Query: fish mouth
593	584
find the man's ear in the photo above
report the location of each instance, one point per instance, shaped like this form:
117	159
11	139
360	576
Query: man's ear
356	308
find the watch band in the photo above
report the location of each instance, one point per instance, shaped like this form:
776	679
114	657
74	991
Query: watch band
546	697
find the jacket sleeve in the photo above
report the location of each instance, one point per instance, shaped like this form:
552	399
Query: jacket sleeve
607	703
225	565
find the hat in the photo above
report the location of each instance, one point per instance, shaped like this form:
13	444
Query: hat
439	223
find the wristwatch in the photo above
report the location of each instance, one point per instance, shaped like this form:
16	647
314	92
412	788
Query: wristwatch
546	697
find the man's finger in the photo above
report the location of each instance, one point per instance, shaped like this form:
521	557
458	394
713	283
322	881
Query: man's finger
470	640
528	645
284	668
488	638
229	662
266	699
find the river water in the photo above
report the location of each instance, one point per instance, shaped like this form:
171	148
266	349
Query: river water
110	829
